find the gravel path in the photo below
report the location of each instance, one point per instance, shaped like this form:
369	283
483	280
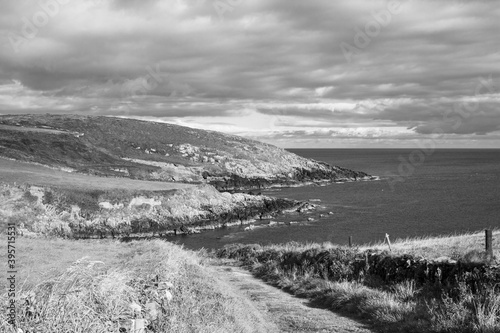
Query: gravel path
283	312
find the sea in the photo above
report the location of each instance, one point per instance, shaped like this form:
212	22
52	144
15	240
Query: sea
418	193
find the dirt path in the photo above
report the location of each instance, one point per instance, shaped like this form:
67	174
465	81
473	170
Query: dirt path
282	311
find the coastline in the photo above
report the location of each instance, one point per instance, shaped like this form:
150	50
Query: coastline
73	213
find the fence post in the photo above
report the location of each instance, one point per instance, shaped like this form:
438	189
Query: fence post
489	243
388	241
350	241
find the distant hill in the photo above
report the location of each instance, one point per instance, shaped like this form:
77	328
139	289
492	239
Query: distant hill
108	146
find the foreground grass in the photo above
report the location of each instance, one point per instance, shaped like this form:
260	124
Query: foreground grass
325	273
59	291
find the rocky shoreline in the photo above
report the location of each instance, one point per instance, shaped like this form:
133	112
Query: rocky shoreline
302	178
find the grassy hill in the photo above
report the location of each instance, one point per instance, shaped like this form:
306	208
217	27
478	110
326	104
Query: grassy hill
144	150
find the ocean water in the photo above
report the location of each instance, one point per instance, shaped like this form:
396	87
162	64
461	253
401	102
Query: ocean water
445	192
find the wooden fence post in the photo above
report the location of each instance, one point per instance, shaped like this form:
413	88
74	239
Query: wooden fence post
388	241
489	243
350	241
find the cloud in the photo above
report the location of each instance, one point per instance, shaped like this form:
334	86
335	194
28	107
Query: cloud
278	60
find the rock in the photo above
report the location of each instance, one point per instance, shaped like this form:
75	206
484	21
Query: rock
138	325
445	259
151	310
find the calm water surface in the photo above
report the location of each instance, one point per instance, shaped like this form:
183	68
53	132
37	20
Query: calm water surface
451	191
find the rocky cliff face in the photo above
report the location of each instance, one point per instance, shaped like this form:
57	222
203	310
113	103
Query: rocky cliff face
158	151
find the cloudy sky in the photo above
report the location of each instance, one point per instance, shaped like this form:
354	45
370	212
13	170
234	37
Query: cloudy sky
295	73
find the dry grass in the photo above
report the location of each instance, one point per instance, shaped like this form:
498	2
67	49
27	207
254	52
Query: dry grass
469	312
456	247
59	291
41	259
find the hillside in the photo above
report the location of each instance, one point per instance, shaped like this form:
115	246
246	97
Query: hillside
135	149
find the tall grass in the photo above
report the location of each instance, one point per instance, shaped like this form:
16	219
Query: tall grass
92	295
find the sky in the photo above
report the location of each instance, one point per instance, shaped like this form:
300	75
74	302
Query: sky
294	73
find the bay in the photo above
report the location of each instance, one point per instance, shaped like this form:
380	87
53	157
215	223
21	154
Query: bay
418	194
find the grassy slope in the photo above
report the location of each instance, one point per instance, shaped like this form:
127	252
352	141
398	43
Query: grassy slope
149	150
71	294
26	173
